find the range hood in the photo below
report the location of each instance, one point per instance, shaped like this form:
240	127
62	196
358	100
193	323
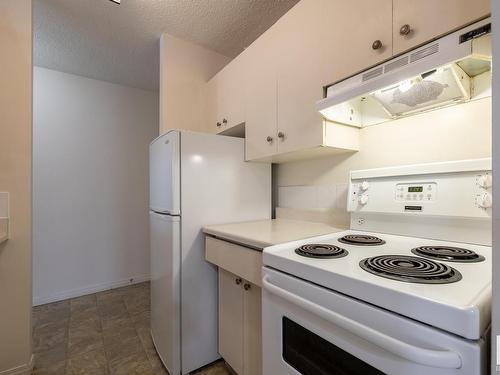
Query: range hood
453	69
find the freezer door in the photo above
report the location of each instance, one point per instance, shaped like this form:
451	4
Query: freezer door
164	174
165	289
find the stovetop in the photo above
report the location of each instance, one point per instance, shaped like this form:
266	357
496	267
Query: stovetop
460	305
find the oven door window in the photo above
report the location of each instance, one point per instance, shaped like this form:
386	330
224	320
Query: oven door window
310	354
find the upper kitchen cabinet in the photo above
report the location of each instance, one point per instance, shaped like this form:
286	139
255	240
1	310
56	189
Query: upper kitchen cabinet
260	96
322	41
211	123
224	95
416	22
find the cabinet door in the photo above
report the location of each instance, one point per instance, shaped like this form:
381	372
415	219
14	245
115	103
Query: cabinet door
231	100
252	327
212	93
231	319
429	19
260	95
334	41
299	81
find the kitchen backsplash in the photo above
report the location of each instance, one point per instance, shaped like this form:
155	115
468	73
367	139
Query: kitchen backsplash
318	203
321	197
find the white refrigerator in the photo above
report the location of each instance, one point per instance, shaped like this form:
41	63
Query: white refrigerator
195	180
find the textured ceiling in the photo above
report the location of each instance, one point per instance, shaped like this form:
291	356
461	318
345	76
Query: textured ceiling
120	43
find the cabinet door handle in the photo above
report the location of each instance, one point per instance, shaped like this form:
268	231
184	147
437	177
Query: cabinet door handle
269	139
247	286
377	44
405	30
224	121
238	281
281	135
218	124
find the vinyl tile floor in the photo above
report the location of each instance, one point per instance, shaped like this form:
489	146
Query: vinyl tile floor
106	333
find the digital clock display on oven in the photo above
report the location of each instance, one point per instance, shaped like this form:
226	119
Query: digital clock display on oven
415	189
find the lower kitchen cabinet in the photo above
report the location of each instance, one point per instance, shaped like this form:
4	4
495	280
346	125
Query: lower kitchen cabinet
252	329
240	314
240	333
231	319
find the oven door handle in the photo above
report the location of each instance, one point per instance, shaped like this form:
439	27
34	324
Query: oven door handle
416	354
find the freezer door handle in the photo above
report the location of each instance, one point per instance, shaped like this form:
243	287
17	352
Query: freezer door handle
427	357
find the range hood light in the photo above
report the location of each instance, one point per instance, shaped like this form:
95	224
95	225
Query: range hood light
405	85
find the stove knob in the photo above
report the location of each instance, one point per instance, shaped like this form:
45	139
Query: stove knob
363	199
365	185
485	181
485	200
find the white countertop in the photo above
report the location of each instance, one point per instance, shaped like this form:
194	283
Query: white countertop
264	233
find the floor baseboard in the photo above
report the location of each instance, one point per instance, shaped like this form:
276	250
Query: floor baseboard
89	290
25	369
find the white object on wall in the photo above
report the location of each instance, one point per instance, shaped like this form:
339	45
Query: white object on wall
4	216
4	205
90	184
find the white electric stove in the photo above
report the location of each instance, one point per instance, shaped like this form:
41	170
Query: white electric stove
406	291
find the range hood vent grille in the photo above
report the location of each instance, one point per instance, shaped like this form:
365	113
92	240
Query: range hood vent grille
396	64
432	49
373	74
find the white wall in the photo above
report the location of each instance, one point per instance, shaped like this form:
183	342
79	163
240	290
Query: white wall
15	178
453	133
90	172
185	68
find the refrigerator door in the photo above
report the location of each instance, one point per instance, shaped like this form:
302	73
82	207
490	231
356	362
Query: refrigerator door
164	174
218	186
165	289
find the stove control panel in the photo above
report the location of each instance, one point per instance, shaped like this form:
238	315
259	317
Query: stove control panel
451	189
483	197
422	192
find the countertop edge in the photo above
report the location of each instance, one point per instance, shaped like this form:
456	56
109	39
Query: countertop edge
239	240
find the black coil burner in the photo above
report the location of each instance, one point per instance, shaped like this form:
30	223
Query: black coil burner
448	254
321	251
410	269
361	240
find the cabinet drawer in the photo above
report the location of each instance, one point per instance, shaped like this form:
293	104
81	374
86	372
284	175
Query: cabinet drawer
240	260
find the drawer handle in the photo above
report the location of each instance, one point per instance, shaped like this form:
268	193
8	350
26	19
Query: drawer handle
247	286
269	139
224	121
416	354
219	124
238	281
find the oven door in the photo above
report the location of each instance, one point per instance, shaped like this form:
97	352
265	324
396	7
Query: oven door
311	330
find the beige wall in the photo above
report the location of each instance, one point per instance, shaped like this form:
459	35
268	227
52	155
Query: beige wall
184	70
15	177
453	133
